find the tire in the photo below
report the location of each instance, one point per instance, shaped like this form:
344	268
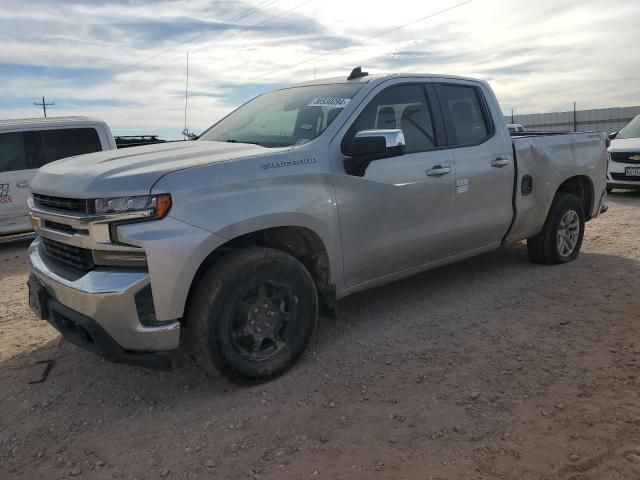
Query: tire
261	285
609	190
546	247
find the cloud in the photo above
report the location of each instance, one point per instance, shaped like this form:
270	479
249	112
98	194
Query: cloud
125	60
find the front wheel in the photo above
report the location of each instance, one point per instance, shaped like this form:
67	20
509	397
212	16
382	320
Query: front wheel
252	315
560	239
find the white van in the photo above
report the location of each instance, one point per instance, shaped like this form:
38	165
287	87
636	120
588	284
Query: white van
27	144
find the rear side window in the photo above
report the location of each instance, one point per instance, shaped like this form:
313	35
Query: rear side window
33	149
69	142
12	152
401	106
465	114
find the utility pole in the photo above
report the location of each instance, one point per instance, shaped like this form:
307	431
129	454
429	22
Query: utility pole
512	116
575	122
44	106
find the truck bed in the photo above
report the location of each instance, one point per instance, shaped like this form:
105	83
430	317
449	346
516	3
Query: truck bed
549	159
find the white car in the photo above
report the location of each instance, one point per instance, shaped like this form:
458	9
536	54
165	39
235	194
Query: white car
515	128
624	152
27	144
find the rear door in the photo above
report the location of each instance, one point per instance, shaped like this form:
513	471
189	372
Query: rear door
484	166
15	176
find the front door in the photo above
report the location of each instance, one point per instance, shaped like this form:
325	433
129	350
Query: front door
396	216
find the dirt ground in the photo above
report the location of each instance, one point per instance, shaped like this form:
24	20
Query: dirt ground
490	368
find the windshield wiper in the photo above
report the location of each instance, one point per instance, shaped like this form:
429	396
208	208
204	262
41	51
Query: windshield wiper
232	140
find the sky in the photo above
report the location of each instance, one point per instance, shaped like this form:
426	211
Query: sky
124	61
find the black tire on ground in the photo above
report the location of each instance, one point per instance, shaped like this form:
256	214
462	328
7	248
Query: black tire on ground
545	248
245	297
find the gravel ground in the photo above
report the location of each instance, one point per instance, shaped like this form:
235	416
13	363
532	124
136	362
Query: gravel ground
490	368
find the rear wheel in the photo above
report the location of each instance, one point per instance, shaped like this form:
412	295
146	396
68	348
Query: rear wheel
252	315
560	239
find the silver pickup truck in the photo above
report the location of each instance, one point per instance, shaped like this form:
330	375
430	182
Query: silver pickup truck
232	244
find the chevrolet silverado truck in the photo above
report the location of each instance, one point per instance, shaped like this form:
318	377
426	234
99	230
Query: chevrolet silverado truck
231	245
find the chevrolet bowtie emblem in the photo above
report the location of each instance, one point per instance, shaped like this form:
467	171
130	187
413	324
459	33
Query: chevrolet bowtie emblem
635	158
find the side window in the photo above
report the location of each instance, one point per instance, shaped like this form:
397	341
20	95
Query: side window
34	149
69	142
400	106
12	153
463	108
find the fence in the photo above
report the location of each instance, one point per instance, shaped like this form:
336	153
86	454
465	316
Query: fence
599	120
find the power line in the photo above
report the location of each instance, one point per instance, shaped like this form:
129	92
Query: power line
372	37
253	25
360	42
190	39
174	99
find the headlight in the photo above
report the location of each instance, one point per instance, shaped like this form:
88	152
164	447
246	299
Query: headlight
153	206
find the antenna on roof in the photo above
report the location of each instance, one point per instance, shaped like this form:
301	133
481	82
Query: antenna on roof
185	132
357	73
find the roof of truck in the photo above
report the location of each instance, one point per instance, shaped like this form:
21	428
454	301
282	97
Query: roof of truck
19	122
375	77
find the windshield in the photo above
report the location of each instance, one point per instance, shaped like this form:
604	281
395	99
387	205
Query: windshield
632	130
282	118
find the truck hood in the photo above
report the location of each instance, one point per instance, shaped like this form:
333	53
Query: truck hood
133	171
625	145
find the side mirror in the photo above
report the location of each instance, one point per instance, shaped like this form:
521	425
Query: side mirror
612	135
370	145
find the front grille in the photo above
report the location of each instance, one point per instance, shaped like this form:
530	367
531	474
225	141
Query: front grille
76	257
625	157
75	205
622	176
61	227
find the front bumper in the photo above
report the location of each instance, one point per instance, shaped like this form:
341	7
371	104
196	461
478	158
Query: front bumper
623	185
101	302
617	178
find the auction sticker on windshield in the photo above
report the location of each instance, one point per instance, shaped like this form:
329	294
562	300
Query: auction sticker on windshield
329	102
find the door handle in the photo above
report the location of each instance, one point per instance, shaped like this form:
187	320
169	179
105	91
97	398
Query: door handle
438	171
22	184
500	162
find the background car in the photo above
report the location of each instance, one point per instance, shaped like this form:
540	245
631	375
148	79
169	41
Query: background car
28	144
624	152
515	128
